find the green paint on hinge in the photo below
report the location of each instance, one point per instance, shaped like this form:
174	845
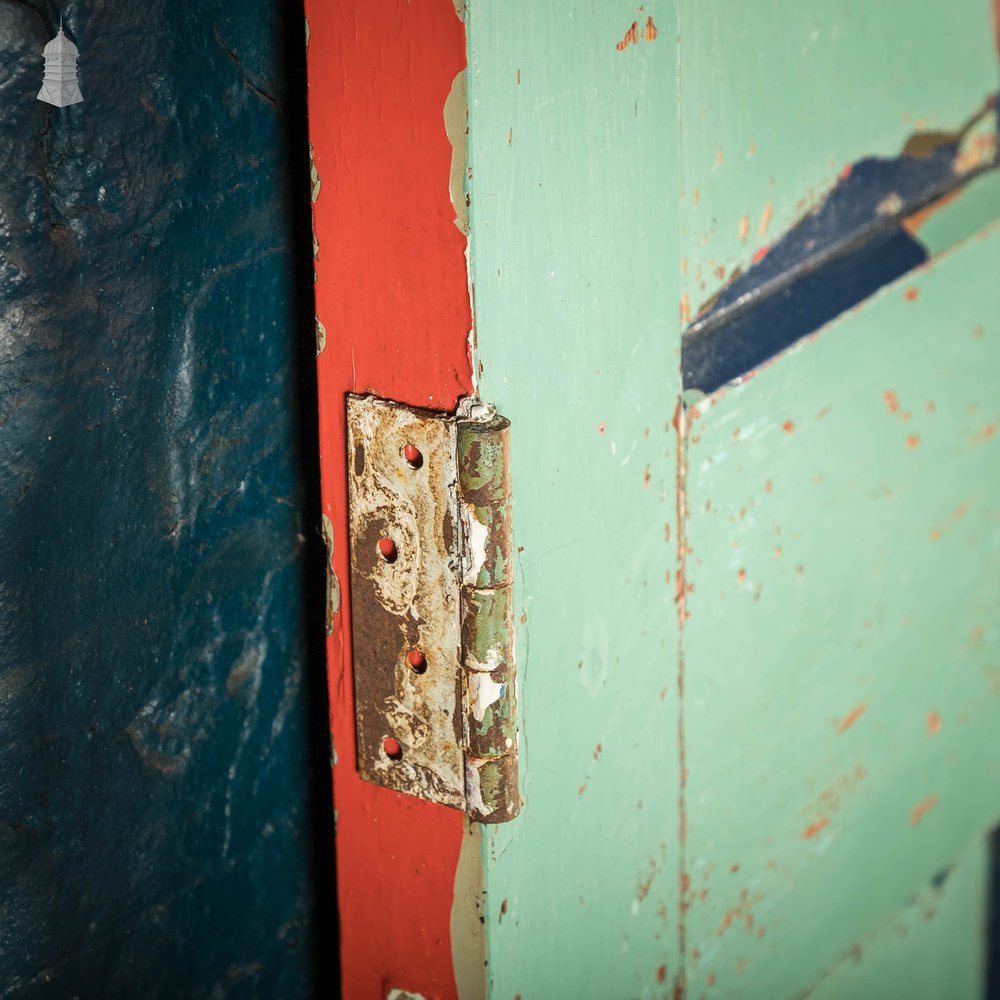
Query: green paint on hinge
484	491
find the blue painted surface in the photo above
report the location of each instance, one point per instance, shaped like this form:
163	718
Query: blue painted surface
164	812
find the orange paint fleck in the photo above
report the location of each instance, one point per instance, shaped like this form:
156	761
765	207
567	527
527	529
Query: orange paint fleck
519	76
918	812
988	432
647	478
744	228
814	828
650	33
741	577
977	330
846	172
933	722
930	407
602	427
684	265
768	486
851	718
710	979
759	255
631	37
765	219
685	309
891	400
788	426
695	196
911	294
661	974
936	535
912	441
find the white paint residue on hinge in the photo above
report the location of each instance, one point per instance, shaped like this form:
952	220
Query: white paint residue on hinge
494	657
476	535
485	692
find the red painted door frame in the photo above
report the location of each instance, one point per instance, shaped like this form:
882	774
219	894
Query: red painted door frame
391	294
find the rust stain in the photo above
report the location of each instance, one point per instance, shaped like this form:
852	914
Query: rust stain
685	309
788	426
977	331
695	196
814	828
503	911
642	890
996	24
519	76
650	31
602	427
710	980
741	577
918	812
597	751
740	914
510	136
768	486
891	401
851	718
661	974
911	294
647	478
744	228
912	441
933	722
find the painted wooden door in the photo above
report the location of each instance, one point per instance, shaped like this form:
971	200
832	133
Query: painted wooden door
734	273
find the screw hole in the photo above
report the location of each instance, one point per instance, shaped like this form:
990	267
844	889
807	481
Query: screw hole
413	457
387	550
417	661
392	749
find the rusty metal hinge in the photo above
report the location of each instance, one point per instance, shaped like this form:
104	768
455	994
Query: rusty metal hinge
432	603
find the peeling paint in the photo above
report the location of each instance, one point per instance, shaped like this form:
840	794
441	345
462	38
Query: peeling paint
456	125
320	337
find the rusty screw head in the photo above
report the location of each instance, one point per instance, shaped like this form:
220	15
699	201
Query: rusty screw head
417	661
387	550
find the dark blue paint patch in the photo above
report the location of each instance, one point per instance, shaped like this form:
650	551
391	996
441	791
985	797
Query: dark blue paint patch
838	255
991	975
165	818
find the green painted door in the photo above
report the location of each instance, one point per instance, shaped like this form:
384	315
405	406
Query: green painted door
758	645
